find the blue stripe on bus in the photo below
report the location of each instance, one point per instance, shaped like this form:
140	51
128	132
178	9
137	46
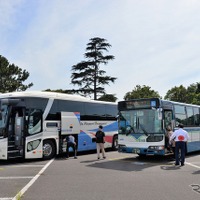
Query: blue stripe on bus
108	128
85	142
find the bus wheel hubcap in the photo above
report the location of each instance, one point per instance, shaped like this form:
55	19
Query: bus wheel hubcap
47	149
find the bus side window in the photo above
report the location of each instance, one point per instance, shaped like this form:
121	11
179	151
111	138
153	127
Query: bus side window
196	116
35	122
168	118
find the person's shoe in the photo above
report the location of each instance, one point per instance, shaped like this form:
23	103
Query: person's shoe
176	164
104	157
75	157
182	164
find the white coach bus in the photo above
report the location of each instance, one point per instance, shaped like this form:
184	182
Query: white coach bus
34	124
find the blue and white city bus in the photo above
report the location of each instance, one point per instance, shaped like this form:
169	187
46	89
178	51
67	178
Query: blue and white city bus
34	124
142	124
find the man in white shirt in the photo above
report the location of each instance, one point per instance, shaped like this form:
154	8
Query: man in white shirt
181	137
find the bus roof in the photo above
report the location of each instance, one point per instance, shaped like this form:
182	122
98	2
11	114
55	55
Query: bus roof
54	95
162	101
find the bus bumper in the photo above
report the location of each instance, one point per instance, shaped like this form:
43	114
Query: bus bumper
141	151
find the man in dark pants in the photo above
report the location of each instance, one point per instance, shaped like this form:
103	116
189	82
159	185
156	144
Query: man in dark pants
70	143
100	140
181	137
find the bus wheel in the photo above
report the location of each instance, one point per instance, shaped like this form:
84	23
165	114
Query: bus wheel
48	149
115	143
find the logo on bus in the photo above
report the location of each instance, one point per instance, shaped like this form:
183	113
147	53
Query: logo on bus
142	138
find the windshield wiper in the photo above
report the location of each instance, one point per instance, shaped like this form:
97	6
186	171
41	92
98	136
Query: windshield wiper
142	127
145	132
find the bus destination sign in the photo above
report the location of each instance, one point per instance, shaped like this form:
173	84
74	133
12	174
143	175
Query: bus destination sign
140	104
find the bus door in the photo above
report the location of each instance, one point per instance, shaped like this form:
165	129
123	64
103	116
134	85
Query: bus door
16	132
168	119
168	125
70	125
11	129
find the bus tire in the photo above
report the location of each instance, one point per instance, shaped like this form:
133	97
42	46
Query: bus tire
115	142
49	149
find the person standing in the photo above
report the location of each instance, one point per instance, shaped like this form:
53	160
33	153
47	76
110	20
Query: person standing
100	140
170	145
181	137
70	143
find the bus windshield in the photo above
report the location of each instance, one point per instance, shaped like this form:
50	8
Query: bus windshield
3	115
145	121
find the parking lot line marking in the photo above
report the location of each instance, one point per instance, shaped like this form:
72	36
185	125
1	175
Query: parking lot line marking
6	198
14	166
25	188
192	165
16	177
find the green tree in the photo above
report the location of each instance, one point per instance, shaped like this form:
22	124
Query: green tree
59	91
141	92
193	93
87	75
196	99
12	77
178	94
108	97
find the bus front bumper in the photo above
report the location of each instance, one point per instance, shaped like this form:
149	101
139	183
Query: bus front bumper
152	150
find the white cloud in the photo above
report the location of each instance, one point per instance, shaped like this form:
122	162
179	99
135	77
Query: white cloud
155	43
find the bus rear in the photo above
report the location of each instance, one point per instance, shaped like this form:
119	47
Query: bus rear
140	127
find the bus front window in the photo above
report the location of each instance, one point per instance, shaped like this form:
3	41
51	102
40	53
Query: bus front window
3	116
146	121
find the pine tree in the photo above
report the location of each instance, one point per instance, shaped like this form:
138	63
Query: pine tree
12	77
87	74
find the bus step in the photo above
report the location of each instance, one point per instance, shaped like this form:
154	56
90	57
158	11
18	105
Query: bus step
11	142
13	151
14	154
13	157
12	148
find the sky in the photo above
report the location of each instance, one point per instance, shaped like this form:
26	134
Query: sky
155	42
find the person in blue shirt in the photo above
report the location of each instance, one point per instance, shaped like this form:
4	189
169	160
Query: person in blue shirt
71	143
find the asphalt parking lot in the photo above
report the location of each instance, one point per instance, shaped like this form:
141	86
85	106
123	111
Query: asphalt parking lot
119	176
